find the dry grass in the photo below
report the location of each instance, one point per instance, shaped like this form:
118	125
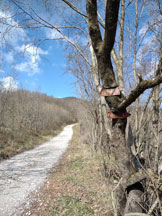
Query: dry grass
14	142
75	188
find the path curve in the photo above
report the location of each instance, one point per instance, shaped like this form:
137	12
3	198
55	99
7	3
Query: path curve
24	173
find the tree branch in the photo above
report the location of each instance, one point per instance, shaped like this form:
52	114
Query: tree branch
141	87
74	8
93	25
111	19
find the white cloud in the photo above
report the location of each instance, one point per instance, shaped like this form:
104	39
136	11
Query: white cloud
15	36
29	67
32	56
53	34
143	30
9	84
22	67
32	50
152	67
147	45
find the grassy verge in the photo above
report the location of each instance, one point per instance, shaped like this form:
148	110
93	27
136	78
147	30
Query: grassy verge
14	142
75	187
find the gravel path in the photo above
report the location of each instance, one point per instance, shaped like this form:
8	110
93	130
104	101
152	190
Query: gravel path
24	173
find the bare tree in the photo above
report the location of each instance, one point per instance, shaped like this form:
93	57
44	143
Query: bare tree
118	104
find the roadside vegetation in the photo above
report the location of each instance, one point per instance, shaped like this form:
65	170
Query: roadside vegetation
76	187
28	119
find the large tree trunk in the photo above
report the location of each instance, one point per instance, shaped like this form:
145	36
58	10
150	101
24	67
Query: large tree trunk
119	148
129	189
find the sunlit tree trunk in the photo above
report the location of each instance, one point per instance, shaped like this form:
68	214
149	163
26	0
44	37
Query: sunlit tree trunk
155	125
120	61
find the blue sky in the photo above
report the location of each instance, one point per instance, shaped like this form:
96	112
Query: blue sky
52	79
23	65
50	75
43	68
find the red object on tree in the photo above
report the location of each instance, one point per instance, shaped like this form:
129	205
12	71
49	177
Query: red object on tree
110	92
114	116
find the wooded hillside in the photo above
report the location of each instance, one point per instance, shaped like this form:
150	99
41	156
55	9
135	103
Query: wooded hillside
28	118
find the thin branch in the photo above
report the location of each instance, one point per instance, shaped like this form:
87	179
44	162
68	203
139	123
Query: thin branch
74	45
74	27
49	25
141	87
74	8
78	11
102	23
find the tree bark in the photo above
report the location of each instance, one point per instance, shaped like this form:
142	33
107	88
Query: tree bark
118	104
102	49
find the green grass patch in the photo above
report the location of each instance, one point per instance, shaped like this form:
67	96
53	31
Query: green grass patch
76	164
69	179
71	206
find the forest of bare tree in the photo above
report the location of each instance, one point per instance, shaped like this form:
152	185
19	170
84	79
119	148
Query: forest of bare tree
29	118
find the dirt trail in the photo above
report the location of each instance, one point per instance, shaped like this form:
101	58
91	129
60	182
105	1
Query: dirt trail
24	173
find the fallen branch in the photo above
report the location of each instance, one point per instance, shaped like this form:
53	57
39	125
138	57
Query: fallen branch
153	206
